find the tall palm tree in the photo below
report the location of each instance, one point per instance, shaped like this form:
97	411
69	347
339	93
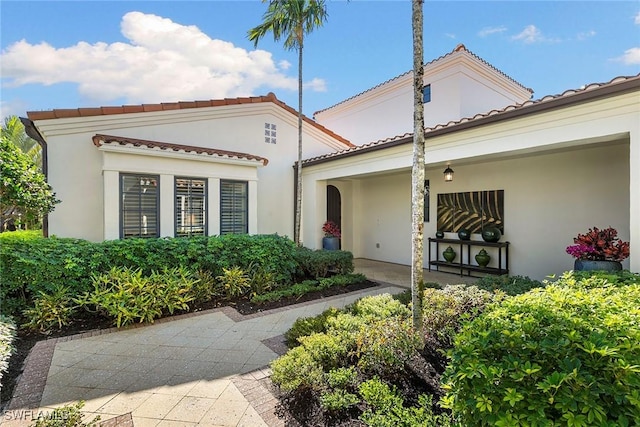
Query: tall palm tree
417	172
13	130
292	20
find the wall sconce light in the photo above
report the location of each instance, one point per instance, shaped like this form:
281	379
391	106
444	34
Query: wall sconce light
448	174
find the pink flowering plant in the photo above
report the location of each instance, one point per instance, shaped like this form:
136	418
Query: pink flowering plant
599	245
331	229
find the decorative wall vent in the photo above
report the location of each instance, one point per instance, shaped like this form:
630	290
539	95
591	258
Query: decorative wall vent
270	133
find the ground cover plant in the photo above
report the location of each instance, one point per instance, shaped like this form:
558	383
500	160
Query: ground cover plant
7	335
365	363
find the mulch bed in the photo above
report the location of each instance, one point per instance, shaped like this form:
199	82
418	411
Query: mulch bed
85	321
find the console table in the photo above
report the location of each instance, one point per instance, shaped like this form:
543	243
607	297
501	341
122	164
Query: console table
463	263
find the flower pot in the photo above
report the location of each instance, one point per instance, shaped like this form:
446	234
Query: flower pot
491	234
330	243
483	258
591	265
464	234
449	254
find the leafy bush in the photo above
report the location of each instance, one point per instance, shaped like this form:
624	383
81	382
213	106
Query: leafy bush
567	354
66	416
510	285
318	263
308	286
309	325
50	310
31	264
126	295
7	335
234	282
385	408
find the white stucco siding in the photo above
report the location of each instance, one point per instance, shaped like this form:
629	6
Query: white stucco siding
76	165
548	200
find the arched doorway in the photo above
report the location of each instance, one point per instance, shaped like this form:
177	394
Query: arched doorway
334	206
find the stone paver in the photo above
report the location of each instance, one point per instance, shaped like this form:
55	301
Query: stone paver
204	369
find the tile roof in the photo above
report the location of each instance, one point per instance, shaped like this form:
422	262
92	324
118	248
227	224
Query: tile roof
144	108
100	140
459	48
587	92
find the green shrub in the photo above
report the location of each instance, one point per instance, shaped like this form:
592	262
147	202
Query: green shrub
7	335
234	282
567	354
339	399
66	416
386	408
31	264
50	310
126	295
445	310
308	286
318	263
510	285
309	325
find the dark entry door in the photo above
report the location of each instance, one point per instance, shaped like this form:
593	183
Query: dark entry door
334	206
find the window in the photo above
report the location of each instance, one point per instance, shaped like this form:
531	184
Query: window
139	206
426	94
190	205
234	207
269	133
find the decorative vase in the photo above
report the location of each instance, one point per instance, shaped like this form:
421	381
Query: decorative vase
464	234
591	265
330	243
491	234
483	258
449	254
439	234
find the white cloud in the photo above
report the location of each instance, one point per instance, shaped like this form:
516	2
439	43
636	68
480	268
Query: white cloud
12	108
162	61
316	84
585	35
487	31
630	56
450	35
637	19
532	34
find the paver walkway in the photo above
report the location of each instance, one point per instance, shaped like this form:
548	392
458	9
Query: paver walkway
199	369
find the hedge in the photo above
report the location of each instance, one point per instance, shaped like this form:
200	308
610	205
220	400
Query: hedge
31	264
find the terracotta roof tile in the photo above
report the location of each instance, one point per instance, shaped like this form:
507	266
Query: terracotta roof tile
125	109
458	48
99	140
631	83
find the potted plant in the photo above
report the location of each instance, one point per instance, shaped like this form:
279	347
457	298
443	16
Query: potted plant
331	239
599	250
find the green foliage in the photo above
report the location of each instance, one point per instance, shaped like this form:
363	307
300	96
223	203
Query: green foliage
31	264
445	310
308	286
126	295
234	282
567	354
23	188
304	326
339	399
318	263
510	285
260	280
385	408
7	335
50	310
66	416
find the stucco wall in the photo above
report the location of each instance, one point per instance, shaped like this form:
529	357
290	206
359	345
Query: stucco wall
76	165
549	198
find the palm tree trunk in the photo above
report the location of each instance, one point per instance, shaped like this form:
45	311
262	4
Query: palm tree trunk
298	218
418	170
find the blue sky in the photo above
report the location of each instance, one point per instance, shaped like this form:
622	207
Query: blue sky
72	54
